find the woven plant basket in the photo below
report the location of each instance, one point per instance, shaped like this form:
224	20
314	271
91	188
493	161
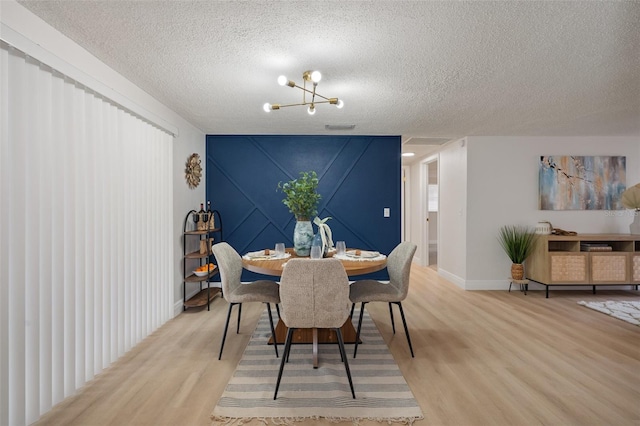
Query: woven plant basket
517	271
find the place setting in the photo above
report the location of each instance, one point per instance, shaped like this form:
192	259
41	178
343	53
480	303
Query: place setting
343	253
267	254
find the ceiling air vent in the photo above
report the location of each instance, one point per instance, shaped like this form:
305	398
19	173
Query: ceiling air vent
339	126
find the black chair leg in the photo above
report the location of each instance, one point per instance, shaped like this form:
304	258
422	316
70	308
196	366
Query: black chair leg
273	330
393	324
285	356
226	326
343	355
406	329
278	310
353	306
239	314
355	350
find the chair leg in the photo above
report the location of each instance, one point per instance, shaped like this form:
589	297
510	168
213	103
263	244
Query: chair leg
393	324
406	329
273	330
239	314
353	306
355	350
226	326
343	354
285	356
278	310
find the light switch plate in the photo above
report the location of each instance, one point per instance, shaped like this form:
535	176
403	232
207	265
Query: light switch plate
387	212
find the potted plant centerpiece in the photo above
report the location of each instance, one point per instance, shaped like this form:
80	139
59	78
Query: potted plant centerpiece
302	200
518	243
631	199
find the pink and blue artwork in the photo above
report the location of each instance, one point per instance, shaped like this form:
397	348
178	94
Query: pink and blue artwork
581	182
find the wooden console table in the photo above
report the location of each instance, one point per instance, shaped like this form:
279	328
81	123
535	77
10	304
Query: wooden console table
585	259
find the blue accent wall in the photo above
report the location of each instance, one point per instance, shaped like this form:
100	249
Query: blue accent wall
359	176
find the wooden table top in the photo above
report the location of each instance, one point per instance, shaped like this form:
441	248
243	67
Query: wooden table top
273	267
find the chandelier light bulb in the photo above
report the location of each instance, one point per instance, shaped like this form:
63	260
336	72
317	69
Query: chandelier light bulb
316	76
267	107
282	80
311	110
340	104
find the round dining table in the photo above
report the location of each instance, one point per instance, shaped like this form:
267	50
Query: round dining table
274	266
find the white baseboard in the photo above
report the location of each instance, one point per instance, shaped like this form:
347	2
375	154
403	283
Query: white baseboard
504	285
451	277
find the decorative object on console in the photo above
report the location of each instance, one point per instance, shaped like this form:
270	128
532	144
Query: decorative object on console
193	171
518	243
631	199
302	200
311	77
544	228
581	182
323	238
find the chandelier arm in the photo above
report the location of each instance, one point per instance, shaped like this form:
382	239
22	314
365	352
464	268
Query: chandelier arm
309	91
304	104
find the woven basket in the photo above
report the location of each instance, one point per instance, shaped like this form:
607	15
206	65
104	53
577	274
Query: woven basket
517	271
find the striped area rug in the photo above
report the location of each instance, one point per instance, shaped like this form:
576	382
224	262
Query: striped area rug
382	394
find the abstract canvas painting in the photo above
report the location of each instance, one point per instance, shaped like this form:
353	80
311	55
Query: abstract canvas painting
581	182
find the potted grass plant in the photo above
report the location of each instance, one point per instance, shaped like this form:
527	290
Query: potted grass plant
518	243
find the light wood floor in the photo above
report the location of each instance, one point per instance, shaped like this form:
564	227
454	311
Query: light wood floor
482	358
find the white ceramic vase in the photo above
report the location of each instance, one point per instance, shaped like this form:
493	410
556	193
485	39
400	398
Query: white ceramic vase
302	237
634	228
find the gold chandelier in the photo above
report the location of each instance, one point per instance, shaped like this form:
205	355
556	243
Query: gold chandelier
312	77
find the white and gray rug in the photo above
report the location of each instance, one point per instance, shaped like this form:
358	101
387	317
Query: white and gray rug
382	394
628	311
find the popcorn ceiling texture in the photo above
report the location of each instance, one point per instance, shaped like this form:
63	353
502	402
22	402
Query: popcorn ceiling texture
417	69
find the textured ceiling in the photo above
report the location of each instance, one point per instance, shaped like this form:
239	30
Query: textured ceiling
422	70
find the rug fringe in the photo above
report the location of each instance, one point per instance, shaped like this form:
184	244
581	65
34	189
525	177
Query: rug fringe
288	421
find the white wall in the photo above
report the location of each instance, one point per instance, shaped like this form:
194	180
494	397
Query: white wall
493	181
503	190
188	140
452	241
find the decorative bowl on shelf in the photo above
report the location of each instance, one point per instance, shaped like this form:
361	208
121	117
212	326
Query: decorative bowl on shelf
201	273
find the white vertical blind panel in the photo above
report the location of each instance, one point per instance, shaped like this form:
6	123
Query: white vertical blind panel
57	239
85	235
4	239
31	233
17	262
44	131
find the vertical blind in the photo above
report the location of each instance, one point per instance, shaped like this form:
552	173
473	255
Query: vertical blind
85	235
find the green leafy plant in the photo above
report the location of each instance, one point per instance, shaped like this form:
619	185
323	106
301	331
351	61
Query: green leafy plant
302	197
517	242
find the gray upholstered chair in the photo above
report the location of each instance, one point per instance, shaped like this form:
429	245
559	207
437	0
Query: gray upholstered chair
365	291
236	293
314	294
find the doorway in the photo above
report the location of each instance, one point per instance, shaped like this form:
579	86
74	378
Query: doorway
430	207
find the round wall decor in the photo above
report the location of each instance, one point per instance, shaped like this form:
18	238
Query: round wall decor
193	171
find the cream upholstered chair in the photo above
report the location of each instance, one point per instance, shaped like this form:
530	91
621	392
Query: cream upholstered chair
236	293
314	294
365	291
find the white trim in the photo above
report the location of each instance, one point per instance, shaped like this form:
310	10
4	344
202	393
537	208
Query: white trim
452	278
22	43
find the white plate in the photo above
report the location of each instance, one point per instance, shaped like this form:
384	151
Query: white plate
363	254
201	274
260	255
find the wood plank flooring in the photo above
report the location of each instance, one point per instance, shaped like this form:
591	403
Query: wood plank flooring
482	358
